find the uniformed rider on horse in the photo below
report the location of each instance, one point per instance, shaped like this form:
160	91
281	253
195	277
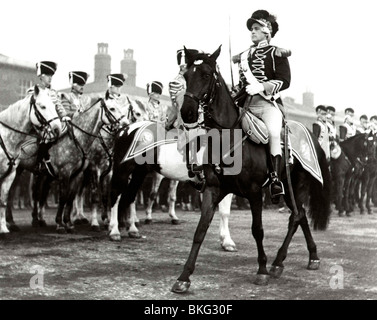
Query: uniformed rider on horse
264	72
75	100
321	131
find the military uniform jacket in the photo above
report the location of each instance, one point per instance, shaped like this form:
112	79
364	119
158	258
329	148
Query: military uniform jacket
73	102
321	132
156	111
346	131
271	70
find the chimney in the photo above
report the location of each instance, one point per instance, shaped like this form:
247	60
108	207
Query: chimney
102	63
128	66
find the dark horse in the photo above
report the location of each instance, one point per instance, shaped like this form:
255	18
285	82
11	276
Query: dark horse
207	94
348	163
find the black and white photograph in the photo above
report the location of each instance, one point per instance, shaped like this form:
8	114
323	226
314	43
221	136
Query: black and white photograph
188	155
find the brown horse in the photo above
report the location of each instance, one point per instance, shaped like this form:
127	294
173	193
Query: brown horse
208	104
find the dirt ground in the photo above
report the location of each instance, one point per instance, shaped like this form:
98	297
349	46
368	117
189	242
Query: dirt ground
86	265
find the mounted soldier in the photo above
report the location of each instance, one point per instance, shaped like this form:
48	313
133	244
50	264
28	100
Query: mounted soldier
333	136
45	72
115	82
264	72
348	128
320	130
156	111
364	125
74	100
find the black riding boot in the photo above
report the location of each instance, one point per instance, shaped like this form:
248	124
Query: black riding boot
276	186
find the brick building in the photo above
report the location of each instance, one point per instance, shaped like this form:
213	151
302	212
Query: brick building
15	78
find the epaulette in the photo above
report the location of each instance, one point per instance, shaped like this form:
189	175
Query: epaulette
283	53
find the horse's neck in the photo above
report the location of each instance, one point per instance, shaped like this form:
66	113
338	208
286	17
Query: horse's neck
90	124
227	110
15	116
352	150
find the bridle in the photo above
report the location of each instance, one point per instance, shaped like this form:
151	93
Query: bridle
44	129
204	101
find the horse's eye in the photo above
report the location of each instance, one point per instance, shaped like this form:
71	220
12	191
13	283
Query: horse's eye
112	109
42	106
138	114
206	76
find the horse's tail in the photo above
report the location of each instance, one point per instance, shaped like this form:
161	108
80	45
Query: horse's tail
320	195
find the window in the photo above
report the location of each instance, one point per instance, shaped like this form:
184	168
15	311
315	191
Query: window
24	86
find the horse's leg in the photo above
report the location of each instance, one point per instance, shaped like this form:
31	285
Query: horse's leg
172	198
127	201
60	227
363	190
346	195
104	189
300	191
369	191
224	209
156	181
211	198
9	215
43	200
256	206
5	186
133	231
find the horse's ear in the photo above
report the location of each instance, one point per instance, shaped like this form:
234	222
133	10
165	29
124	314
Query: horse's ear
187	53
107	95
216	54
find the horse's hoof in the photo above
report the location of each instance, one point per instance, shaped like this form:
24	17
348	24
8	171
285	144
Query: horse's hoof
175	222
313	265
276	271
341	214
370	211
84	221
77	222
13	228
115	237
134	235
71	230
137	224
61	230
262	279
35	223
181	286
349	214
42	223
229	248
362	212
148	221
95	228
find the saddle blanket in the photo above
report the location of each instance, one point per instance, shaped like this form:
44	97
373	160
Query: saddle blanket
299	140
148	135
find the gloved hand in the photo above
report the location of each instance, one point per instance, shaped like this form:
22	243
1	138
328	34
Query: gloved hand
66	119
174	87
254	88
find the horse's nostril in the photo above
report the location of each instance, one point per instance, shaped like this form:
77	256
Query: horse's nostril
56	132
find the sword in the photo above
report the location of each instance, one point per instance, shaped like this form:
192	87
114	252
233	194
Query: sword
230	57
